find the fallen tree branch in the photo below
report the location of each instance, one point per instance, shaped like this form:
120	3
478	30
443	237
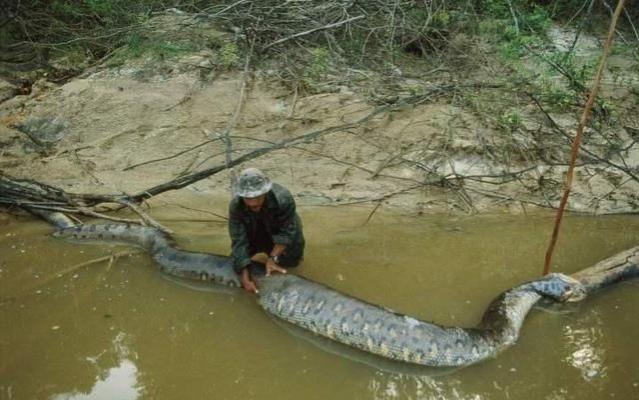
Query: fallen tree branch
321	28
145	217
22	192
130	167
186	180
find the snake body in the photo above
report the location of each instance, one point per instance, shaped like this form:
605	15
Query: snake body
366	326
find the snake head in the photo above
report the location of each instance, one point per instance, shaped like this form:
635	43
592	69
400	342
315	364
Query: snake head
561	287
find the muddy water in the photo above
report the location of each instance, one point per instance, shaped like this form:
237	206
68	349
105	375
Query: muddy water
122	330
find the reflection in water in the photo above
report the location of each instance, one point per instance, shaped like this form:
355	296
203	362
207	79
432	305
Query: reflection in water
558	394
120	382
384	386
586	352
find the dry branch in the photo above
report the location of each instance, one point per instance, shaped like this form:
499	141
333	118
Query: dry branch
171	156
22	192
236	114
186	180
321	28
626	170
111	258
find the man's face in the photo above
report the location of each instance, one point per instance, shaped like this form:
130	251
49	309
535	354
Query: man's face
254	203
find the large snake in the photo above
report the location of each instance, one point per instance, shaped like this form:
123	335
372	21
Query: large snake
366	326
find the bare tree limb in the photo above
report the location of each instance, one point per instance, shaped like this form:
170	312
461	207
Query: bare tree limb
171	156
329	26
225	135
145	217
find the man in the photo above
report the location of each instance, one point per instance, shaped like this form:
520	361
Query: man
262	219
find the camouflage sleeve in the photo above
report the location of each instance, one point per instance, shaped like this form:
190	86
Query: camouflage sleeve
287	221
239	240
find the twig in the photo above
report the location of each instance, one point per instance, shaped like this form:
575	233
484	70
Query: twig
329	26
576	14
188	96
384	164
329	157
394	155
74	40
634	29
614	189
370	215
510	198
512	12
202	211
96	143
575	83
584	149
581	27
111	258
293	103
73	268
612	14
92	68
459	188
171	156
190	167
145	217
391	36
81	164
225	9
91	213
384	196
43	148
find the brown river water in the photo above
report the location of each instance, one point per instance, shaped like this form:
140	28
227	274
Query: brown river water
122	330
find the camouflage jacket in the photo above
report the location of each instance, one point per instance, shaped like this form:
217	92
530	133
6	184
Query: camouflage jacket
280	219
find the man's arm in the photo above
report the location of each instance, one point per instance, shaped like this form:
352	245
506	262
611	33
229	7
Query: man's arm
239	240
247	282
287	222
271	265
240	249
288	229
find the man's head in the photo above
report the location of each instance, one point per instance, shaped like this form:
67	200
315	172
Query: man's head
254	204
252	186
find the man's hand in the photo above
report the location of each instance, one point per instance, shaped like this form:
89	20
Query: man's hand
272	266
247	282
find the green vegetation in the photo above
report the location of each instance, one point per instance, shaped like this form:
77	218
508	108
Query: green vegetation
510	120
98	26
228	55
370	35
316	70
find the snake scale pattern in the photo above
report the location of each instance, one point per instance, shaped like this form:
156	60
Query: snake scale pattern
366	326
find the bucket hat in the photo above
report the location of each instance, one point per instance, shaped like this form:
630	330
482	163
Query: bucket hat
252	183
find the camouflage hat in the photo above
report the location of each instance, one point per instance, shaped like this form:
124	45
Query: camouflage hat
252	183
